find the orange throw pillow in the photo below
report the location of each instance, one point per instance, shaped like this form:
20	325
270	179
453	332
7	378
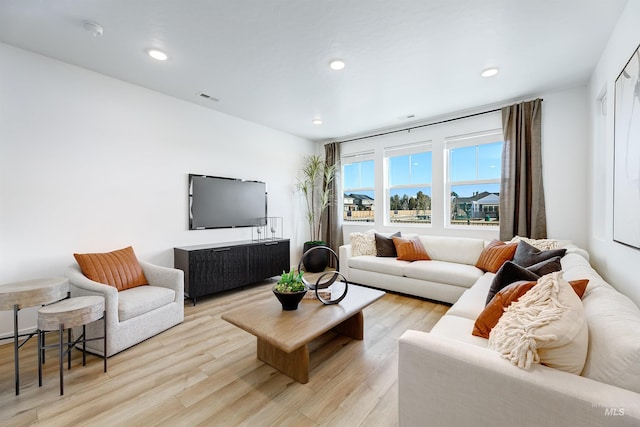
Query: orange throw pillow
410	249
503	299
495	254
119	269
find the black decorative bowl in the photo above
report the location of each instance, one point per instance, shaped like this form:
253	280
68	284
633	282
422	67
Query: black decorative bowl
289	300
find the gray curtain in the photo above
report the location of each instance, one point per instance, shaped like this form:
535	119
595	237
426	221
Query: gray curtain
332	218
522	207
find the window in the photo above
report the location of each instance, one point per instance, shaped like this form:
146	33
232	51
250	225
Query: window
474	171
358	188
409	184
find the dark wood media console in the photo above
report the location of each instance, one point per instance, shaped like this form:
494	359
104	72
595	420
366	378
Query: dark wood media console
221	266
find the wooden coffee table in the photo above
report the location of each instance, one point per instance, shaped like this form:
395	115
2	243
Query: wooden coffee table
283	335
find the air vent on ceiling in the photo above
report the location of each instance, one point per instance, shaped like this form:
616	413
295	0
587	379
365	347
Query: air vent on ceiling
407	117
209	97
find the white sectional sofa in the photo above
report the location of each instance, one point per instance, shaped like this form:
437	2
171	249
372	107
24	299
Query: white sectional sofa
445	278
449	377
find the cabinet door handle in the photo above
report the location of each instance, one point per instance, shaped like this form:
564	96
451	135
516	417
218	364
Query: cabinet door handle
271	243
222	250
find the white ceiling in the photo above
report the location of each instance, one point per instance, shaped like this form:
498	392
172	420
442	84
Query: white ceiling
267	60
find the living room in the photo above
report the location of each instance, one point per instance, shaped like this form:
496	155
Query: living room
90	163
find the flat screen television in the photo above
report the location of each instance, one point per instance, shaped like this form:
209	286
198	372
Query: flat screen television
218	202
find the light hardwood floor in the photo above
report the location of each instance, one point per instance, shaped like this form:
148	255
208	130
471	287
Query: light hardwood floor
205	372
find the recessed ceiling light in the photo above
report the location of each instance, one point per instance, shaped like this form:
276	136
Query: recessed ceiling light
316	121
336	64
157	54
489	72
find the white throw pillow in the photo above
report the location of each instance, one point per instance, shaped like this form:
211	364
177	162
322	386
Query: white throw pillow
363	243
541	244
546	325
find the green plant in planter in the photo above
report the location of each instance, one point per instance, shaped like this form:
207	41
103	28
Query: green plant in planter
290	282
315	184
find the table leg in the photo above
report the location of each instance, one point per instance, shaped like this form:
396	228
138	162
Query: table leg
353	327
104	346
61	357
294	364
15	348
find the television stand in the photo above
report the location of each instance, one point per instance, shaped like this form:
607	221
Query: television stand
217	267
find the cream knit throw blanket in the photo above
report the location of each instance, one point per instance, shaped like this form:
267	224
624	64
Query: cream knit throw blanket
515	336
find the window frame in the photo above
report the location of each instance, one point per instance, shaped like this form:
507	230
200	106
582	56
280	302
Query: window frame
462	141
399	151
358	158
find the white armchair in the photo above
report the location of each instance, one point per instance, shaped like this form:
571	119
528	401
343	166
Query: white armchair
135	314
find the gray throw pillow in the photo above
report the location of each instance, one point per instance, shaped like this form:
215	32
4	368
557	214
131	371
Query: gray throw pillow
508	274
527	255
385	246
550	265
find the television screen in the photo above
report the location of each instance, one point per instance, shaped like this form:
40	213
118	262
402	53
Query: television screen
218	202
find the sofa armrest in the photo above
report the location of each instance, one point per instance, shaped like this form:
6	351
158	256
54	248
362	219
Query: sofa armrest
80	285
344	253
456	383
166	277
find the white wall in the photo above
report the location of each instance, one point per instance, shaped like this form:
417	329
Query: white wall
565	140
564	150
615	262
90	164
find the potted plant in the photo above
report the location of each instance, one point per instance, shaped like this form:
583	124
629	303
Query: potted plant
315	185
290	289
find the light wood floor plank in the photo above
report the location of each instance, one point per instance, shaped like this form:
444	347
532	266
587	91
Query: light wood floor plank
205	372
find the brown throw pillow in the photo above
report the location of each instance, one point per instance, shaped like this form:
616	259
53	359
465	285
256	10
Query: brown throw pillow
119	269
410	249
495	254
385	246
503	299
527	255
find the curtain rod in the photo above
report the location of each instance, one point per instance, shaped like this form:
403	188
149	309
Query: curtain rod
422	126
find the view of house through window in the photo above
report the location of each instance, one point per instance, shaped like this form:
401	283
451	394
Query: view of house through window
409	184
358	188
474	166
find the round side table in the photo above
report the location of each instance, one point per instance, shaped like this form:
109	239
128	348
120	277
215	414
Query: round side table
29	293
66	314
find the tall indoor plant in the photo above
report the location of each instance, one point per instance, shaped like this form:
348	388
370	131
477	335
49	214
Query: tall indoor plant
315	185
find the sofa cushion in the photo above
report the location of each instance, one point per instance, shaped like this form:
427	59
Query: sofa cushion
385	246
379	265
494	255
546	325
443	272
508	295
119	268
471	302
459	329
410	249
362	243
142	299
461	250
614	338
527	255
